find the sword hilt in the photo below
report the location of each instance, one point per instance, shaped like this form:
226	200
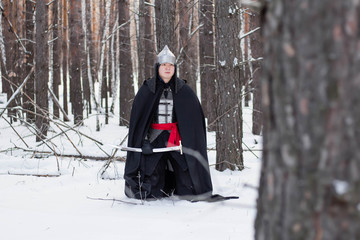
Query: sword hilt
181	149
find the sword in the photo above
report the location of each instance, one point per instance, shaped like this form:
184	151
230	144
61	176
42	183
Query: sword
155	150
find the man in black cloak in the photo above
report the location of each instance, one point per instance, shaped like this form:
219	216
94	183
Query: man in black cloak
166	111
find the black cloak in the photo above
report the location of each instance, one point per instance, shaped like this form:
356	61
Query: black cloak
192	129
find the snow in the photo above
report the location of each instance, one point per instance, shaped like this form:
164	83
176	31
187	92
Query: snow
64	205
235	62
341	187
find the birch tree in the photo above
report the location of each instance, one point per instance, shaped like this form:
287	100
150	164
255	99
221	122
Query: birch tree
86	76
310	177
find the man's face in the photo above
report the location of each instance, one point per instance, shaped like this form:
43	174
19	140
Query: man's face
166	71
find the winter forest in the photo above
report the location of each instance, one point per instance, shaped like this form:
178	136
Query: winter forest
279	85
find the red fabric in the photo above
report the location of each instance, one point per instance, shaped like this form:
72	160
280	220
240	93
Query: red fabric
174	139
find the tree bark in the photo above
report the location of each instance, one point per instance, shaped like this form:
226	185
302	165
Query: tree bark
165	24
29	60
207	59
188	44
56	53
75	46
11	69
126	76
310	177
65	54
41	69
84	55
145	42
256	46
228	105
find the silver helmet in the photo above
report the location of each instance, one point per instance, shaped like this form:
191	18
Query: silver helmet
166	56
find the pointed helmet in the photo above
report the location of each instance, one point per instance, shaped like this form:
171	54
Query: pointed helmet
166	56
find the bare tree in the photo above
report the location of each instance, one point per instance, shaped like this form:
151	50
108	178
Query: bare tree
228	86
165	24
189	42
65	53
100	72
85	54
145	41
29	60
11	66
56	6
256	46
207	59
41	69
309	187
75	43
126	76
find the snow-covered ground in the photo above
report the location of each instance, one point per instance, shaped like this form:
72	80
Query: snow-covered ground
66	206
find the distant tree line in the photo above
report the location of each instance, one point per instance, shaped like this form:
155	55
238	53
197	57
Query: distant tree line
89	57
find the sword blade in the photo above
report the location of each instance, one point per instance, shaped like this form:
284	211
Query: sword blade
155	150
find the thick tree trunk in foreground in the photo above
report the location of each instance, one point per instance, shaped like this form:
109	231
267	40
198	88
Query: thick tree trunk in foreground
310	179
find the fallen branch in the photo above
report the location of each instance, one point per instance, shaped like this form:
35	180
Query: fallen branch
66	118
115	200
34	151
16	132
249	33
34	175
17	91
110	160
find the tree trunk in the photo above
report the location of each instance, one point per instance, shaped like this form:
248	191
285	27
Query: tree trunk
188	44
41	69
145	42
126	77
228	105
310	178
85	73
207	59
75	46
256	46
246	68
11	69
65	55
100	72
56	53
29	61
165	24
